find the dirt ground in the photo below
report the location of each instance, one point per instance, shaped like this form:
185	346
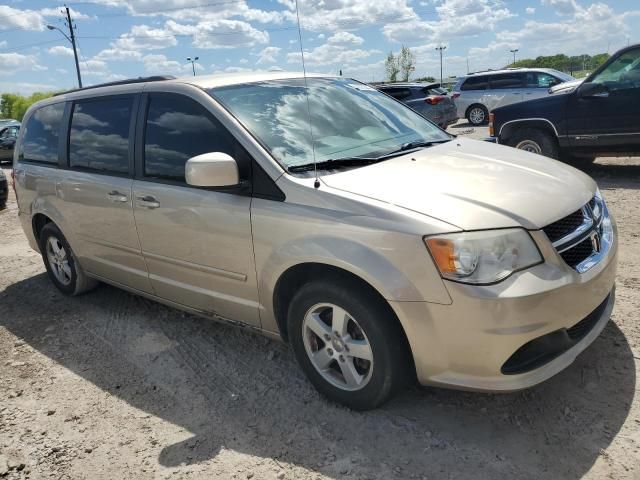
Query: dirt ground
112	386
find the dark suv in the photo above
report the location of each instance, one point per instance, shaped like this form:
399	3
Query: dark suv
579	120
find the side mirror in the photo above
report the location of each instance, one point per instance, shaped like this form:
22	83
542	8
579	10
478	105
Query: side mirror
593	90
215	169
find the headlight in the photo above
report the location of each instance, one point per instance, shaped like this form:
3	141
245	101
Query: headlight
484	256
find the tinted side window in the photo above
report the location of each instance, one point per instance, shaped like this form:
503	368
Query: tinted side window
40	140
177	129
540	80
506	80
475	83
99	137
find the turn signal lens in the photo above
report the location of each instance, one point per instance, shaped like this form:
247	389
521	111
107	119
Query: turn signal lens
491	130
443	252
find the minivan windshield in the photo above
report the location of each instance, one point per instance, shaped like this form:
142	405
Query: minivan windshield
349	120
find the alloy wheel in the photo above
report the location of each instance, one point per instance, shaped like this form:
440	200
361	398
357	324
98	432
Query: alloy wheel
337	347
476	115
58	259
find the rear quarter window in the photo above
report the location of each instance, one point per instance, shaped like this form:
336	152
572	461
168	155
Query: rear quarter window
41	134
480	82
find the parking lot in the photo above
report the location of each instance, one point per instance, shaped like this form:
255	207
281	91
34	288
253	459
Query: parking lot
110	385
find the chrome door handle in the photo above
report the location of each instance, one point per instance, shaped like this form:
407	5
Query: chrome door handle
116	196
148	201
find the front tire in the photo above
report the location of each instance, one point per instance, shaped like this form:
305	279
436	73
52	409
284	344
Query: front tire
348	342
61	263
478	115
535	141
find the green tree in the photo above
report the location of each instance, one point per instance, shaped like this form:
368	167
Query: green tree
15	106
406	62
392	67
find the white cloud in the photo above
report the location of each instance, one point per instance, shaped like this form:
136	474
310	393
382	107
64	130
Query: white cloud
118	54
530	10
24	19
345	38
456	19
160	64
220	34
61	51
588	29
268	55
331	54
57	12
11	63
144	37
562	7
94	68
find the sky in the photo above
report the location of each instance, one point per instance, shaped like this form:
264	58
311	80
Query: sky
121	39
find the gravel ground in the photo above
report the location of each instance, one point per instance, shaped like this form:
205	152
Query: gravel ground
112	386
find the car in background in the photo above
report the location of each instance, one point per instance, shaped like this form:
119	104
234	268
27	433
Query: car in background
430	100
478	93
579	121
4	189
8	135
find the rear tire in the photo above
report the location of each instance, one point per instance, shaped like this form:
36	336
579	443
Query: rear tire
478	115
535	141
333	353
62	266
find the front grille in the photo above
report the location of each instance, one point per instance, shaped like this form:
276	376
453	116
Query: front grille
564	226
577	254
576	237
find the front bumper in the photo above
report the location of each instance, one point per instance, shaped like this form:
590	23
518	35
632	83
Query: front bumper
466	344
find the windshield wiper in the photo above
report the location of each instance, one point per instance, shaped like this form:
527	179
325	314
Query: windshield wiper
414	145
332	163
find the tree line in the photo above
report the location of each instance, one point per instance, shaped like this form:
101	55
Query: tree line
400	66
13	105
564	63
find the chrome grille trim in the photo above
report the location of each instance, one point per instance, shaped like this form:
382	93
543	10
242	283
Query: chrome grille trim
595	227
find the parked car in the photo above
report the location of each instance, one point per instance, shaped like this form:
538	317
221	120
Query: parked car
8	136
380	247
475	95
580	121
4	189
427	99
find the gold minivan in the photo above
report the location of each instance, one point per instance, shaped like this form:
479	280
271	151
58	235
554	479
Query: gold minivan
323	212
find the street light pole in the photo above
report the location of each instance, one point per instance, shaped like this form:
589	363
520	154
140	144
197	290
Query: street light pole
193	63
72	38
514	54
441	48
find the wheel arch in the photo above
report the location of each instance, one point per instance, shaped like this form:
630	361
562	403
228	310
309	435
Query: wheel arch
38	221
508	129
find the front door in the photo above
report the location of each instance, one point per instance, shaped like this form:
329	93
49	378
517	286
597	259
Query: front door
505	89
97	190
609	122
196	241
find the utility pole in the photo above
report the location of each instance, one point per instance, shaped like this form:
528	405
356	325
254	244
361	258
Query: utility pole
193	63
73	44
72	38
514	55
441	48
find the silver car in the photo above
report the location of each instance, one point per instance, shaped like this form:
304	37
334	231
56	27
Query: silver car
477	94
324	213
430	100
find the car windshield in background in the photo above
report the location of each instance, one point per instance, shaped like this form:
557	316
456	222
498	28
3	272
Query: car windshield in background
565	77
348	119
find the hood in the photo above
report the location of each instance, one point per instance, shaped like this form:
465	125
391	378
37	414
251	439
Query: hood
566	87
473	185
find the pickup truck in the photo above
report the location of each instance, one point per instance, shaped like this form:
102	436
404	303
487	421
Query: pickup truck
579	120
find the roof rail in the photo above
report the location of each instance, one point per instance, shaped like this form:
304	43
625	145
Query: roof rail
155	78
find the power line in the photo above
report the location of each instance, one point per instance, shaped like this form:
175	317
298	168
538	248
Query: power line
28	45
